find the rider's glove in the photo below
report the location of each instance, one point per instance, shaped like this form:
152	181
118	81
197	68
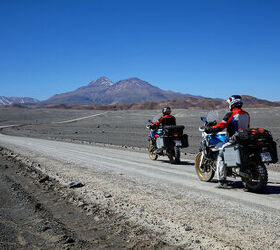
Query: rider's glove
153	126
208	130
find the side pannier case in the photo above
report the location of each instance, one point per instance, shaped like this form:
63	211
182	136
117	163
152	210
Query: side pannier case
232	156
164	141
185	141
273	151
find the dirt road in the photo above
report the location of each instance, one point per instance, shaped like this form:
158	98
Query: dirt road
165	199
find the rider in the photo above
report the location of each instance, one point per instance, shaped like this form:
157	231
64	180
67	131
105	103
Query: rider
234	120
166	119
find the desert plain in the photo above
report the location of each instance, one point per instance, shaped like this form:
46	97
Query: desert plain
125	128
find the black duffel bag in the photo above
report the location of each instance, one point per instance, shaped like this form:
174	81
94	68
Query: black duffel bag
252	136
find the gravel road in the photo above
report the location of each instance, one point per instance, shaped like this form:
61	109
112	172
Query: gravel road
168	200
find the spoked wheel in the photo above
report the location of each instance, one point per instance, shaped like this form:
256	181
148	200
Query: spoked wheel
258	177
204	172
152	155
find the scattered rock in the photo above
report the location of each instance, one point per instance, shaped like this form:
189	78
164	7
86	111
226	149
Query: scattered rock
96	218
107	195
45	228
38	207
44	179
89	213
76	184
188	228
71	199
66	239
81	204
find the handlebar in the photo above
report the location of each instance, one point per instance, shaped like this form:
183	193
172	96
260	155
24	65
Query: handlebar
202	128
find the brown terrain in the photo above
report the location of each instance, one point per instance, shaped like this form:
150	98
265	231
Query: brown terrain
178	103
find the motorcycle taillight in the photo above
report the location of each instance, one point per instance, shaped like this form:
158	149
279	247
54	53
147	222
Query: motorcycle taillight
264	149
175	135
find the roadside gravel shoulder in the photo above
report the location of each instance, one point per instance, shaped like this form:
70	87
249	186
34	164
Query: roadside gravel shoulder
37	211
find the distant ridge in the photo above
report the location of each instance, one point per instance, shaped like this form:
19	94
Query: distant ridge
4	101
180	103
104	92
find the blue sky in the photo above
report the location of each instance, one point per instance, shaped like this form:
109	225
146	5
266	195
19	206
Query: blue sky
212	48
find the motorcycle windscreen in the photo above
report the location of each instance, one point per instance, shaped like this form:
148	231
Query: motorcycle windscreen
156	118
212	116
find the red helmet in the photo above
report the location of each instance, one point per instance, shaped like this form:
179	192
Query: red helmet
166	110
235	101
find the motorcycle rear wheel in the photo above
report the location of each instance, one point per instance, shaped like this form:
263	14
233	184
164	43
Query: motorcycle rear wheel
150	152
258	172
205	173
177	154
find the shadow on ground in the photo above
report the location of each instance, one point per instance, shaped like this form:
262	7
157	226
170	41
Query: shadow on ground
270	189
183	163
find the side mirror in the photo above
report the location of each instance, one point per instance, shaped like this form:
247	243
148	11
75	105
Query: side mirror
203	119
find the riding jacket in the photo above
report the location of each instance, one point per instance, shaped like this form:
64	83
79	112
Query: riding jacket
234	120
165	120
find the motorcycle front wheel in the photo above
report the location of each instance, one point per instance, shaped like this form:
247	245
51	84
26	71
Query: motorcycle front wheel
150	152
204	172
258	177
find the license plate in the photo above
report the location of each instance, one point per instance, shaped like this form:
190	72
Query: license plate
266	157
178	143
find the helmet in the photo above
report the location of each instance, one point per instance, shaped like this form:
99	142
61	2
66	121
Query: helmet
235	101
166	110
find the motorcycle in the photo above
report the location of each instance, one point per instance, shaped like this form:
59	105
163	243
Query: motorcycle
166	141
245	157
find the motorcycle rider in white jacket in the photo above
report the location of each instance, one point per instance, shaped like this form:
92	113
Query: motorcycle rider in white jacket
234	120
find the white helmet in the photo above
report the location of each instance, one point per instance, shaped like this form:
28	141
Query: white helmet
235	101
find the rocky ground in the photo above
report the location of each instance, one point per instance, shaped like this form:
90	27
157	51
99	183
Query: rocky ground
37	212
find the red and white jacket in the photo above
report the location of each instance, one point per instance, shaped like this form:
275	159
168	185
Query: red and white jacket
165	120
234	121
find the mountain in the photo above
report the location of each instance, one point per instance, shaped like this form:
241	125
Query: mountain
17	100
180	103
85	95
104	92
250	101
